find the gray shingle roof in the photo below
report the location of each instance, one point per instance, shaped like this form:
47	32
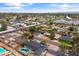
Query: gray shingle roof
36	47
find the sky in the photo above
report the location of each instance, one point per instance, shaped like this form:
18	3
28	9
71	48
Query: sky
39	7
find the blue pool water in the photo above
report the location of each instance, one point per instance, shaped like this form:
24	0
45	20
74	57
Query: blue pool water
2	51
24	50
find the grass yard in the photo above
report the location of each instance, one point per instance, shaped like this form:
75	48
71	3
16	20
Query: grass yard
65	44
1	30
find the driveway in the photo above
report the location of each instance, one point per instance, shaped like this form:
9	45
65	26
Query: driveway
53	48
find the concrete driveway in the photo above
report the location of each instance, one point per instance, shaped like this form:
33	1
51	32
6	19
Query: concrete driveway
53	48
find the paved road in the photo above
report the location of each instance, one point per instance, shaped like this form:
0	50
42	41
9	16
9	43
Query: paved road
13	30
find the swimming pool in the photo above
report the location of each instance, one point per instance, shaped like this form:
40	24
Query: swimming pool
2	50
24	50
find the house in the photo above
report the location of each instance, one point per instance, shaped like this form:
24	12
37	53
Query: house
60	21
36	47
41	37
57	36
66	38
69	18
47	34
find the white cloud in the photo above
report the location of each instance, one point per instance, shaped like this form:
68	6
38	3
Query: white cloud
9	8
18	4
61	6
40	11
65	6
15	7
14	4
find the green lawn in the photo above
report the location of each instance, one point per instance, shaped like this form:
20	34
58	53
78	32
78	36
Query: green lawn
64	43
1	30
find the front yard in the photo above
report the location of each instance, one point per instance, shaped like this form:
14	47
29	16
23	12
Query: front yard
65	44
1	30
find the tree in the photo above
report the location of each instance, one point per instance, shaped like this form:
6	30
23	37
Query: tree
74	50
72	29
27	35
52	33
44	28
50	22
3	25
19	18
32	29
62	17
